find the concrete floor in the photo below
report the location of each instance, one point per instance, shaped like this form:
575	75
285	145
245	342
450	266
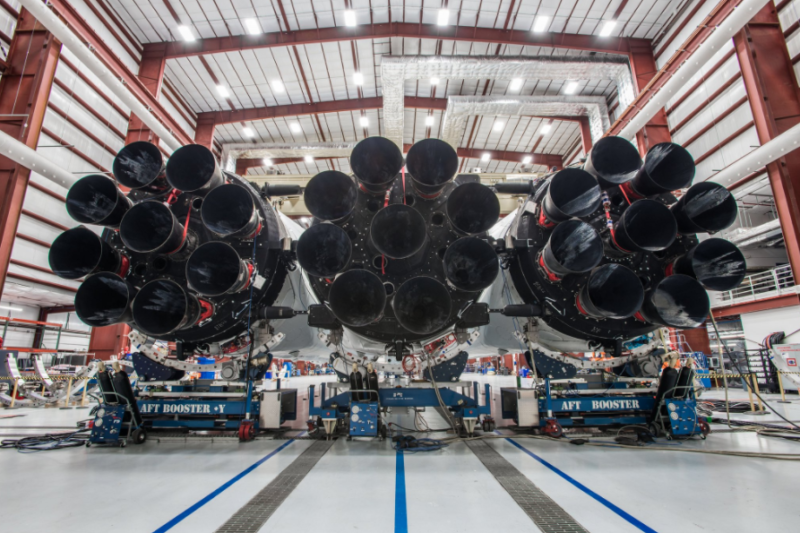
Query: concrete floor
186	486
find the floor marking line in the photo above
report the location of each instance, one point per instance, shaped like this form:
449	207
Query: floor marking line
400	507
222	488
623	514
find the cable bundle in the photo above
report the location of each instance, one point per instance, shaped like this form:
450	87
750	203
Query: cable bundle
412	444
49	441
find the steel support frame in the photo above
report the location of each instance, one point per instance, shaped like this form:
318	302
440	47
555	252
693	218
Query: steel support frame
644	69
151	74
24	92
774	97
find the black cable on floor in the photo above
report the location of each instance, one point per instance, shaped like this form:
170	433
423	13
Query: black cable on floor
48	441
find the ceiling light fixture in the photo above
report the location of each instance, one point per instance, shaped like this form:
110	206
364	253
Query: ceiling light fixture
516	84
267	161
527	160
295	127
364	121
498	125
252	26
186	33
429	120
358	78
308	159
11	308
486	157
608	27
223	91
571	87
434	81
444	17
350	18
546	129
277	86
540	24
248	132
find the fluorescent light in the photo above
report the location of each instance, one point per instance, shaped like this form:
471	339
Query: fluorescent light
434	81
444	17
540	24
546	129
267	161
277	86
571	88
248	132
364	121
608	27
358	78
485	157
186	33
11	308
350	18
223	91
295	127
516	84
429	120
252	26
498	125
527	160
308	159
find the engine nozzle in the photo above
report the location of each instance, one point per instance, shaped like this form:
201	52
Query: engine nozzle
150	227
471	264
706	207
376	161
667	167
398	231
96	199
215	268
572	192
229	211
140	165
717	264
422	305
677	301
613	160
330	195
357	298
645	226
193	168
472	208
612	291
324	250
432	164
573	247
162	307
104	299
79	252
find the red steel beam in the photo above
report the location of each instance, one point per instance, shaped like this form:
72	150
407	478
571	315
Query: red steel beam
24	92
716	17
643	68
151	74
81	28
775	101
548	160
586	134
204	130
591	43
775	302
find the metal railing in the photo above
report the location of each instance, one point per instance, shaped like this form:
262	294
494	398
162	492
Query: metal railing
770	283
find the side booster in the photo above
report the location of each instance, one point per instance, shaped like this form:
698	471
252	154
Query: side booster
609	253
179	255
399	257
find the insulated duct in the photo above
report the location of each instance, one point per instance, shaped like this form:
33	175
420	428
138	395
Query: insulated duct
396	70
233	151
29	158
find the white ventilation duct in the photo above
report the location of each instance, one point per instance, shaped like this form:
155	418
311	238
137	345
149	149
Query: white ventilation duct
233	151
27	157
460	108
395	70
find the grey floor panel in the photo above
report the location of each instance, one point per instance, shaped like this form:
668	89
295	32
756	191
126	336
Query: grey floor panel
255	513
545	513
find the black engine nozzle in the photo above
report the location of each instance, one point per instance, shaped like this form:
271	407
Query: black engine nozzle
677	301
376	161
229	211
706	207
330	195
717	264
150	227
432	164
422	305
573	247
357	298
140	165
96	199
471	264
613	160
162	307
104	299
667	167
645	226
193	168
79	252
398	231
572	192
215	268
612	291
324	250
472	208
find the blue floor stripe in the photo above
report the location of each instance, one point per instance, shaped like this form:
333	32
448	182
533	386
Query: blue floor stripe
400	509
632	520
222	488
